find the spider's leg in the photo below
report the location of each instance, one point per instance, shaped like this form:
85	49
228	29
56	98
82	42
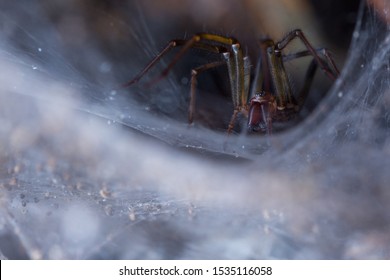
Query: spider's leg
238	66
332	74
232	121
311	70
242	73
231	66
201	41
292	56
279	79
156	59
239	76
324	52
330	62
194	73
186	45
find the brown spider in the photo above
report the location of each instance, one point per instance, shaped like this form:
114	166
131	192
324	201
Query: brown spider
271	98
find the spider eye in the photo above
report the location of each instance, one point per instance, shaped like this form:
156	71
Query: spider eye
260	94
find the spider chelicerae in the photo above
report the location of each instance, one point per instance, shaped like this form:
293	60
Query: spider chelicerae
270	98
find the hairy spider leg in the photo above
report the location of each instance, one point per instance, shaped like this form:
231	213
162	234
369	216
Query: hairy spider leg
309	77
323	51
239	77
297	33
238	69
278	73
238	66
172	44
311	70
194	74
156	59
239	74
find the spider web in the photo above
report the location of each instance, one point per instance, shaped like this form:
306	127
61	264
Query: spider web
91	171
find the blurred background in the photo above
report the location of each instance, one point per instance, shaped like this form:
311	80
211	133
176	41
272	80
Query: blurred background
92	170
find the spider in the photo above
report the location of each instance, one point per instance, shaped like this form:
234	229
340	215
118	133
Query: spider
270	97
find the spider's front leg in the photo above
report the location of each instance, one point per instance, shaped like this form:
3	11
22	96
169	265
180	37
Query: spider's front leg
194	74
328	67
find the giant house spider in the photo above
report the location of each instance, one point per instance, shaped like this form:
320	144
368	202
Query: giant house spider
270	99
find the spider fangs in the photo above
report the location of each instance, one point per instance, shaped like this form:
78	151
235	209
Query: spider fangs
270	97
